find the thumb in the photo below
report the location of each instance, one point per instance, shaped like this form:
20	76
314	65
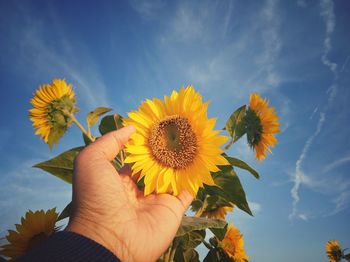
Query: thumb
109	145
186	199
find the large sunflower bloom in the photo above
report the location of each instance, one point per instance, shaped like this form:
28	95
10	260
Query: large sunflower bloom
175	147
35	228
51	103
333	251
262	125
233	245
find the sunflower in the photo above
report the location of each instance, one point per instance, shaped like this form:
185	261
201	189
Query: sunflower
51	104
175	147
333	251
233	245
35	227
217	213
261	125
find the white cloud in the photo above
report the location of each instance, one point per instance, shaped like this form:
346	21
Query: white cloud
299	176
328	15
336	164
347	59
68	59
147	8
301	3
341	202
303	217
272	42
29	188
255	208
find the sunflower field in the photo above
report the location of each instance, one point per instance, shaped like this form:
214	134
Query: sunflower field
175	148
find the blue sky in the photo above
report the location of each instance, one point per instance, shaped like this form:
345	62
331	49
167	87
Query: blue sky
118	53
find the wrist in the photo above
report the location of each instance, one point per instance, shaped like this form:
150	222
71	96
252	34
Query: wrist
101	235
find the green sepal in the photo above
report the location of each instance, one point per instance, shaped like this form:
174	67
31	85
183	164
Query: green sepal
93	116
141	183
241	164
62	165
55	135
66	212
235	125
110	123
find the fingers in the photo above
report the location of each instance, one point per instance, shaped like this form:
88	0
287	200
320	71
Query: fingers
186	199
109	145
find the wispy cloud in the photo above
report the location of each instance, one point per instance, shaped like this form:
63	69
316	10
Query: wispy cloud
347	59
328	15
148	9
243	60
25	188
336	164
341	202
255	207
327	12
39	58
299	176
301	3
272	42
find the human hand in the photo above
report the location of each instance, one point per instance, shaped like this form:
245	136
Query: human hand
109	208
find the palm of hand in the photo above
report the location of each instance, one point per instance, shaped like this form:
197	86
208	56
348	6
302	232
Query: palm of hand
109	208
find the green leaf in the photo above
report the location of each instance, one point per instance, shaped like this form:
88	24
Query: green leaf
110	123
191	255
213	256
188	255
196	205
66	212
192	239
347	257
61	166
219	232
141	183
93	116
230	188
189	224
235	125
243	165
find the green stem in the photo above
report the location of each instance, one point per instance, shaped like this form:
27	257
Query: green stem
122	157
207	245
88	129
75	121
168	256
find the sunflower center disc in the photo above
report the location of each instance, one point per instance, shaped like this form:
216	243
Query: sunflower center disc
173	143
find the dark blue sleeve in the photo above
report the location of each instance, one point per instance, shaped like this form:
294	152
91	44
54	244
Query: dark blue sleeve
68	247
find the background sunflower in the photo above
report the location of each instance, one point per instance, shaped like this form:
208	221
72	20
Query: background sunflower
35	227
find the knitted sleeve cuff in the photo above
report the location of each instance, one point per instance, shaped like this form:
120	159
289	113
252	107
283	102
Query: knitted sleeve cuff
68	246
